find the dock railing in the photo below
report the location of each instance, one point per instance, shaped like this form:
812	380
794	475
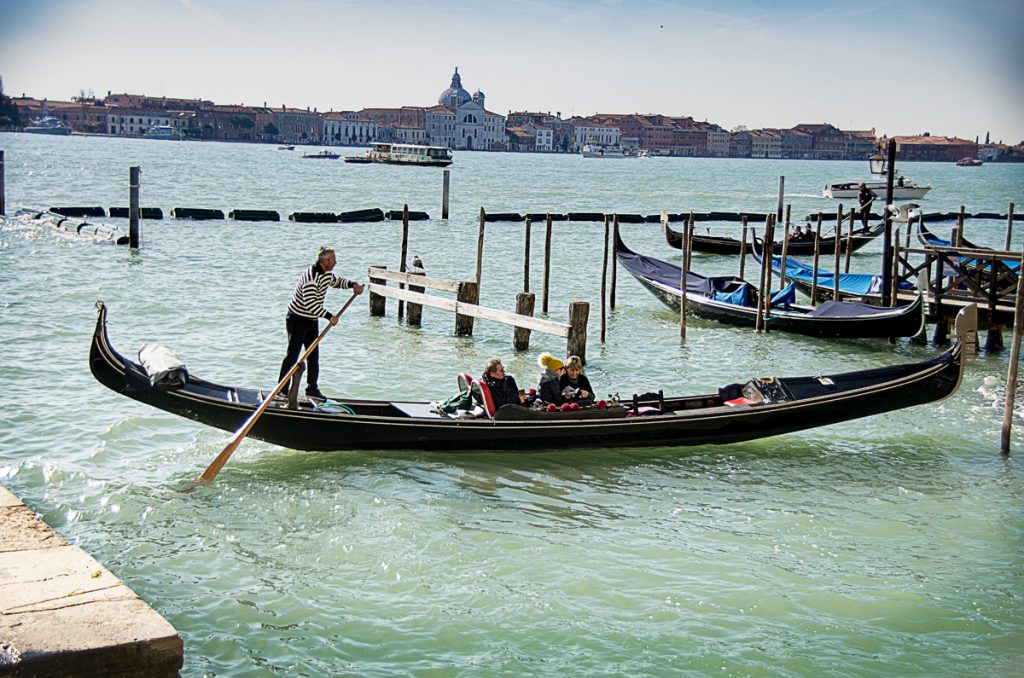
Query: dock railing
466	308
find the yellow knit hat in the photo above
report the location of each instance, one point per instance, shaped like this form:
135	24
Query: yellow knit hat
549	361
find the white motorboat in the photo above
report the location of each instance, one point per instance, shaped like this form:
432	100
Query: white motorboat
969	162
598	151
162	132
902	189
48	125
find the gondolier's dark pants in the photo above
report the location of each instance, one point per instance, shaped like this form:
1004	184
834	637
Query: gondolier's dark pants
302	332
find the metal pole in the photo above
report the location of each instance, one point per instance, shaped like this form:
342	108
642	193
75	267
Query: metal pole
480	247
134	240
615	261
405	252
444	195
3	201
604	279
547	263
526	255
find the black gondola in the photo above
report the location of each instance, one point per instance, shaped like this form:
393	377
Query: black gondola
732	300
711	244
737	412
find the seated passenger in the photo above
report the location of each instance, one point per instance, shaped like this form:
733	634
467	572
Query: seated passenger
548	389
504	390
574	384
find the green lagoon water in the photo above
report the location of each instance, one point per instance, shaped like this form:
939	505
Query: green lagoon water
892	545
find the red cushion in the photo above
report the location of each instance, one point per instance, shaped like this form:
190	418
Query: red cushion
464	381
482	396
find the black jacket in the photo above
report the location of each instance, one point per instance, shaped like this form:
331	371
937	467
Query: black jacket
503	391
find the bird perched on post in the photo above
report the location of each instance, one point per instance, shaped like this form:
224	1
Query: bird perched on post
417	263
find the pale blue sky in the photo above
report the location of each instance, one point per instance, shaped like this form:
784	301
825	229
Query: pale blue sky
950	67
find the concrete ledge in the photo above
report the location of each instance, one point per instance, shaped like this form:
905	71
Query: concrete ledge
64	614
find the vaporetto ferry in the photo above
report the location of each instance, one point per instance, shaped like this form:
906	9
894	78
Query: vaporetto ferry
405	154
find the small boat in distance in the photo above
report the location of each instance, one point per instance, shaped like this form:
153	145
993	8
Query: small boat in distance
902	189
599	151
286	148
404	154
969	162
162	132
322	155
48	125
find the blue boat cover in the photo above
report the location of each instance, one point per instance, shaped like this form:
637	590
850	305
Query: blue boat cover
849	283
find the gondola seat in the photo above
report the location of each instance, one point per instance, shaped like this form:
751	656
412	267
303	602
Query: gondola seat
481	393
464	381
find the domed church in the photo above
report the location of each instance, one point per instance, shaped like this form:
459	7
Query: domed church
462	121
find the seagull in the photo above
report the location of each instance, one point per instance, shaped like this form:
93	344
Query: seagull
417	263
903	213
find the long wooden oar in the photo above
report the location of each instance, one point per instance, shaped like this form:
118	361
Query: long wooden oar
213	469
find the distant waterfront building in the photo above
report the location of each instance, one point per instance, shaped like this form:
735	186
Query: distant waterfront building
587	131
797	144
298	125
765	143
348	128
461	120
717	140
935	149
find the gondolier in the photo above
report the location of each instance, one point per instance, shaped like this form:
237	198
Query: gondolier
864	197
304	312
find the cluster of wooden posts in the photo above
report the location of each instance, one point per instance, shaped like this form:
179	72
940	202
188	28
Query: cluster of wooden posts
412	286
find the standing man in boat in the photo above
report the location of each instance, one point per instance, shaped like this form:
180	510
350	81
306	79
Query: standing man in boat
865	198
304	313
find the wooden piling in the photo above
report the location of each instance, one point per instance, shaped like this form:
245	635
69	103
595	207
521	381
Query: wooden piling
3	200
521	335
769	257
743	245
444	194
526	255
415	317
958	235
684	273
604	280
1011	373
480	247
579	312
378	303
1006	243
469	293
765	266
837	249
817	256
405	253
894	277
134	237
547	264
849	240
941	334
785	250
615	261
887	215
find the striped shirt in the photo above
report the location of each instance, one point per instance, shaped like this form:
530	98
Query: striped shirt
308	299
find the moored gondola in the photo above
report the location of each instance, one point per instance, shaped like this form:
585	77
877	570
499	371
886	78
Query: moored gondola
858	286
711	244
758	408
732	300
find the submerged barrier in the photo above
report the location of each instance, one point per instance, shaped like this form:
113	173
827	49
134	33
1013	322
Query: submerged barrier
79	211
197	213
254	215
396	215
144	212
314	217
73	226
365	216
